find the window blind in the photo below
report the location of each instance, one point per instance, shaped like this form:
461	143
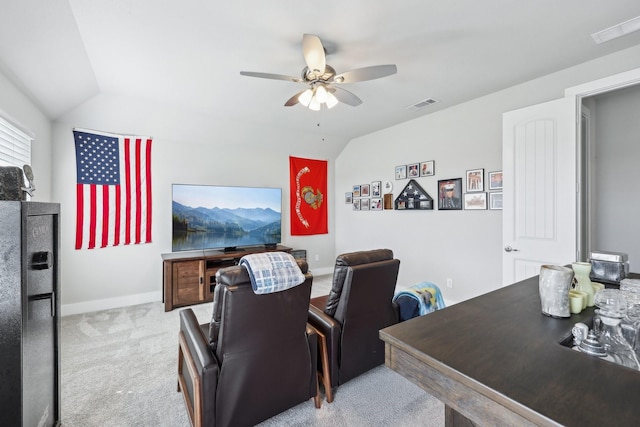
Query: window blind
15	145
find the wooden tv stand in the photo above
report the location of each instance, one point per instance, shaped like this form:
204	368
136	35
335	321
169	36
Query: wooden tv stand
189	277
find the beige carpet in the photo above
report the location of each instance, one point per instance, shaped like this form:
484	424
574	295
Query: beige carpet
119	369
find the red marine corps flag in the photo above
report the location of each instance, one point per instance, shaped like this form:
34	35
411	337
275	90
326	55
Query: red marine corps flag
308	189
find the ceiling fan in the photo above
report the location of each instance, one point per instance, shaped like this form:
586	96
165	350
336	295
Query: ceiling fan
322	80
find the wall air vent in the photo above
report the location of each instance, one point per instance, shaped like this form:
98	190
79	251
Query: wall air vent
616	31
422	104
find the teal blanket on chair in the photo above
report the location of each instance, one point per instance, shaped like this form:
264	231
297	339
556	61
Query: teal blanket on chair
426	296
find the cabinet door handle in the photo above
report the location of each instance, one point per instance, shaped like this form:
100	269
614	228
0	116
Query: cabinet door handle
42	260
50	296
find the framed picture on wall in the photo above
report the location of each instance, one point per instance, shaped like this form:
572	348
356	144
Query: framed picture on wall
376	189
495	180
356	204
495	200
427	168
364	190
356	191
376	203
401	172
450	194
475	180
475	201
413	170
348	197
364	204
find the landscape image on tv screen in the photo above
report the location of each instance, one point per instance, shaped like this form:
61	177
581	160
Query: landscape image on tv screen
219	217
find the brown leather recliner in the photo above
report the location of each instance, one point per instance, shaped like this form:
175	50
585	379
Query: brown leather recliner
349	318
257	358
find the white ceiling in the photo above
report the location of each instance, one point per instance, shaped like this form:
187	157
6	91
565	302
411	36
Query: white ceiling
189	53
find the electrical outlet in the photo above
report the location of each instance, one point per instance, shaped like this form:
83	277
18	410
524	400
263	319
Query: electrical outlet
317	257
449	282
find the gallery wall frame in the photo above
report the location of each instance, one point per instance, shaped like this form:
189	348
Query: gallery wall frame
475	180
427	168
450	194
376	189
413	170
475	201
401	172
365	190
376	203
348	197
356	191
413	197
495	200
495	180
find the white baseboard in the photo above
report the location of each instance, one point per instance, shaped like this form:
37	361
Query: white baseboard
108	303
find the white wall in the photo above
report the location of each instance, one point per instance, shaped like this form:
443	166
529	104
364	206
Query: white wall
186	149
18	109
433	245
617	180
465	246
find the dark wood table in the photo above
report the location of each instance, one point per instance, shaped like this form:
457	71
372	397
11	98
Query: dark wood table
497	360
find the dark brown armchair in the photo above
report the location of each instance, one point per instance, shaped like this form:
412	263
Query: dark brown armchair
257	358
349	318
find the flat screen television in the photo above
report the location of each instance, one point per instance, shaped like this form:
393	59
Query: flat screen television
226	218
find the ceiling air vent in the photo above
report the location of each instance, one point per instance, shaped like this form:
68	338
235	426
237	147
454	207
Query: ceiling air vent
422	104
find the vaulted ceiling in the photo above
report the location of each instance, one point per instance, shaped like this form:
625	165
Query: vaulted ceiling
189	53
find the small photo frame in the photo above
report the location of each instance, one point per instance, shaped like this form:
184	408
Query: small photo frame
413	170
365	190
356	191
475	180
495	200
348	197
401	172
376	203
495	181
427	168
450	194
364	204
376	189
356	204
475	201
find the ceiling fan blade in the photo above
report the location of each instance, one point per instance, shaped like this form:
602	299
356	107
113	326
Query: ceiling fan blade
345	96
294	99
314	53
366	73
271	76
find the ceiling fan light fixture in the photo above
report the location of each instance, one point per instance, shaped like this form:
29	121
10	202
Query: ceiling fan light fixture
332	101
314	104
322	80
321	94
305	97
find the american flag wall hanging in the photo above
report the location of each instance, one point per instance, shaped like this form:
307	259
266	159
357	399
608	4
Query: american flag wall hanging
113	189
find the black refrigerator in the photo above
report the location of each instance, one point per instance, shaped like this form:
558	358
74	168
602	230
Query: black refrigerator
29	314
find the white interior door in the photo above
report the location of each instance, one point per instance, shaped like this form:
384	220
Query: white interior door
539	186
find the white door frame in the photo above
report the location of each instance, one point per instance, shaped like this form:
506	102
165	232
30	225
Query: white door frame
606	84
596	87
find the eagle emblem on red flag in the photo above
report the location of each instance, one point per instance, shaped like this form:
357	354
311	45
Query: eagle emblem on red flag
308	191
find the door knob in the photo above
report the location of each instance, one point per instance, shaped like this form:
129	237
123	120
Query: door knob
510	249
